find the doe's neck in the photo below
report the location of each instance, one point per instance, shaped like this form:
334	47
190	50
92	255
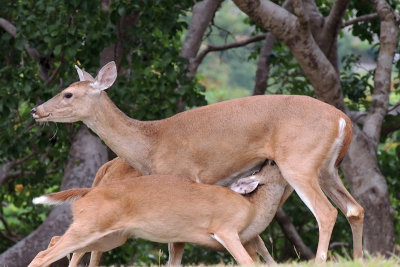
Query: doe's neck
124	136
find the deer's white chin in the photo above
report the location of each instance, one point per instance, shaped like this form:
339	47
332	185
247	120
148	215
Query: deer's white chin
42	118
51	118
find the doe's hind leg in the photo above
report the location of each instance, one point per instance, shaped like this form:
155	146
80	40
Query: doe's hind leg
334	188
305	183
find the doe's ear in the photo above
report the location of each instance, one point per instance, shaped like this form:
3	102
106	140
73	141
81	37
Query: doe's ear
83	75
106	76
245	185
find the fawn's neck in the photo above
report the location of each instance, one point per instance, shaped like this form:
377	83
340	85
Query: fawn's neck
266	201
126	137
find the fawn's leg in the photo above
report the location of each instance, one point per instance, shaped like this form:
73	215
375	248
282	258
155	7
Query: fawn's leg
231	242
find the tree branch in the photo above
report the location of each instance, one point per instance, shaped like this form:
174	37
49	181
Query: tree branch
285	26
331	28
57	70
12	30
11	236
211	48
291	233
302	16
360	19
334	19
338	244
8	27
33	53
390	124
203	13
394	110
380	98
262	72
16	174
5	169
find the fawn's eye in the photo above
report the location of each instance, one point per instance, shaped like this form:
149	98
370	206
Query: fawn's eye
68	95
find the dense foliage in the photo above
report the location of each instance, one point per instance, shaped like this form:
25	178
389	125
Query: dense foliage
67	33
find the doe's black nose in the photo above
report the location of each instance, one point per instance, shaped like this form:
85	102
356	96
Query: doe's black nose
33	111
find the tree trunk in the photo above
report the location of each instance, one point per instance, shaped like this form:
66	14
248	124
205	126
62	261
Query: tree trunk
291	233
361	165
87	154
318	59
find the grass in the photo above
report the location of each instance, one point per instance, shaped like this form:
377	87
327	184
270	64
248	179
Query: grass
368	261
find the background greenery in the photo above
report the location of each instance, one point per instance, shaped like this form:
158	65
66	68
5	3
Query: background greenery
75	32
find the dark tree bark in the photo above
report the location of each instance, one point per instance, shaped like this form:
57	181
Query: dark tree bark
202	14
87	154
360	165
116	51
262	73
291	233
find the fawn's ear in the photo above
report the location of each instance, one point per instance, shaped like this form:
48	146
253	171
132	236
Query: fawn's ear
83	75
245	185
106	77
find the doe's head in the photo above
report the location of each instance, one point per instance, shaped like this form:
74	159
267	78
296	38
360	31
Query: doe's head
76	101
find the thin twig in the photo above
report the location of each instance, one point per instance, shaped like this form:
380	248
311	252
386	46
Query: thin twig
211	48
6	226
8	27
393	108
292	234
53	76
338	244
360	19
5	169
10	235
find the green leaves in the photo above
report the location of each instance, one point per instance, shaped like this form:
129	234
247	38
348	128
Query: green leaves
356	84
64	32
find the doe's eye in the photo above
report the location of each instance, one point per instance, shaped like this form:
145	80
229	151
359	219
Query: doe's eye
68	95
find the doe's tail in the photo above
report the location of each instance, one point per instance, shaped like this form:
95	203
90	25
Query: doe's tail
61	197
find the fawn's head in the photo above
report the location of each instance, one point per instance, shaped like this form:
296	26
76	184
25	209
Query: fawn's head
269	173
76	101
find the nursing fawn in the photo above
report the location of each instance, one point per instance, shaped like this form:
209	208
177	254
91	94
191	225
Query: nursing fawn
169	209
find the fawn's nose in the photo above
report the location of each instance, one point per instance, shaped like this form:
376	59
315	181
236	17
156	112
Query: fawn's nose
33	111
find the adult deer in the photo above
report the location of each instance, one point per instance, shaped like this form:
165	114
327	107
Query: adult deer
168	209
219	143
